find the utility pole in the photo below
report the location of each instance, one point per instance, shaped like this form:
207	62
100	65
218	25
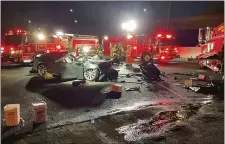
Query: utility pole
168	18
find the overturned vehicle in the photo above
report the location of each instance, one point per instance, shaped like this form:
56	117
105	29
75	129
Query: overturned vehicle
66	65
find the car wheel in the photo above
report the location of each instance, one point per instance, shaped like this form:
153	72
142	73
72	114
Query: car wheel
146	57
41	68
91	74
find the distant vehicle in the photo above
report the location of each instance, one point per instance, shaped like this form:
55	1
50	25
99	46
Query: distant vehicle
211	41
66	65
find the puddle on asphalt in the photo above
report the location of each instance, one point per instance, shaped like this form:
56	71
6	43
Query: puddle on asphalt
156	127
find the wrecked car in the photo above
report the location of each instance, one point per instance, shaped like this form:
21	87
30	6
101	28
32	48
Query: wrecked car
66	65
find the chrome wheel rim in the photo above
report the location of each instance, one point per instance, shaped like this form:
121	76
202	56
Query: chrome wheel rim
147	58
42	69
90	74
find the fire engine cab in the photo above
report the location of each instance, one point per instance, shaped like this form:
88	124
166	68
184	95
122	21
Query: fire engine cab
211	41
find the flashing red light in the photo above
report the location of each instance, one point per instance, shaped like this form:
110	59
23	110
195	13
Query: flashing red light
135	48
159	35
18	31
48	51
162	57
2	48
11	49
58	47
168	36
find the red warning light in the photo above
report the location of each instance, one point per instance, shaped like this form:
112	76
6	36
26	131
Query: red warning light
159	35
168	36
162	57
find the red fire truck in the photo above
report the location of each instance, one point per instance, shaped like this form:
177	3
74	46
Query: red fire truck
164	46
20	46
211	41
144	46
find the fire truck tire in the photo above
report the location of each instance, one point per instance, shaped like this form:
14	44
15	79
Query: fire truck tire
41	68
91	74
146	57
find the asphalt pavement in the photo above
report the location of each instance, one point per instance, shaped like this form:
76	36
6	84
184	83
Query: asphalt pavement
71	108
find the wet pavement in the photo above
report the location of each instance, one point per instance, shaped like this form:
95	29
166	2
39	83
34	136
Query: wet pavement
169	114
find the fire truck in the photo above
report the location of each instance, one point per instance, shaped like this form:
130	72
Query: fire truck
144	46
211	41
164	47
21	46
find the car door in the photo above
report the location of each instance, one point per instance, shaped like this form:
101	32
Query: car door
71	68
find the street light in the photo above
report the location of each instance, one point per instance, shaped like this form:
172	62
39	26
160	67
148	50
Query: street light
129	26
71	10
106	37
29	21
75	21
41	36
145	9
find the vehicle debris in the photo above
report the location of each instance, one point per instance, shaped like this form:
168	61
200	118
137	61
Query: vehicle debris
202	77
138	88
209	88
176	84
188	83
187	74
193	78
78	82
150	71
112	91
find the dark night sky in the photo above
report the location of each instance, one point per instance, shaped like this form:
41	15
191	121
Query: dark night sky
94	17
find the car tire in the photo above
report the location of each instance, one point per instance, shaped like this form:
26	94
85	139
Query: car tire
146	57
91	74
41	68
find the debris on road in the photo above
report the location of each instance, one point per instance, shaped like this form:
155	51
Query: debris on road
138	88
193	78
150	71
77	83
175	78
202	77
12	114
188	83
39	112
176	84
162	73
209	88
92	121
151	87
112	92
136	70
47	75
187	74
